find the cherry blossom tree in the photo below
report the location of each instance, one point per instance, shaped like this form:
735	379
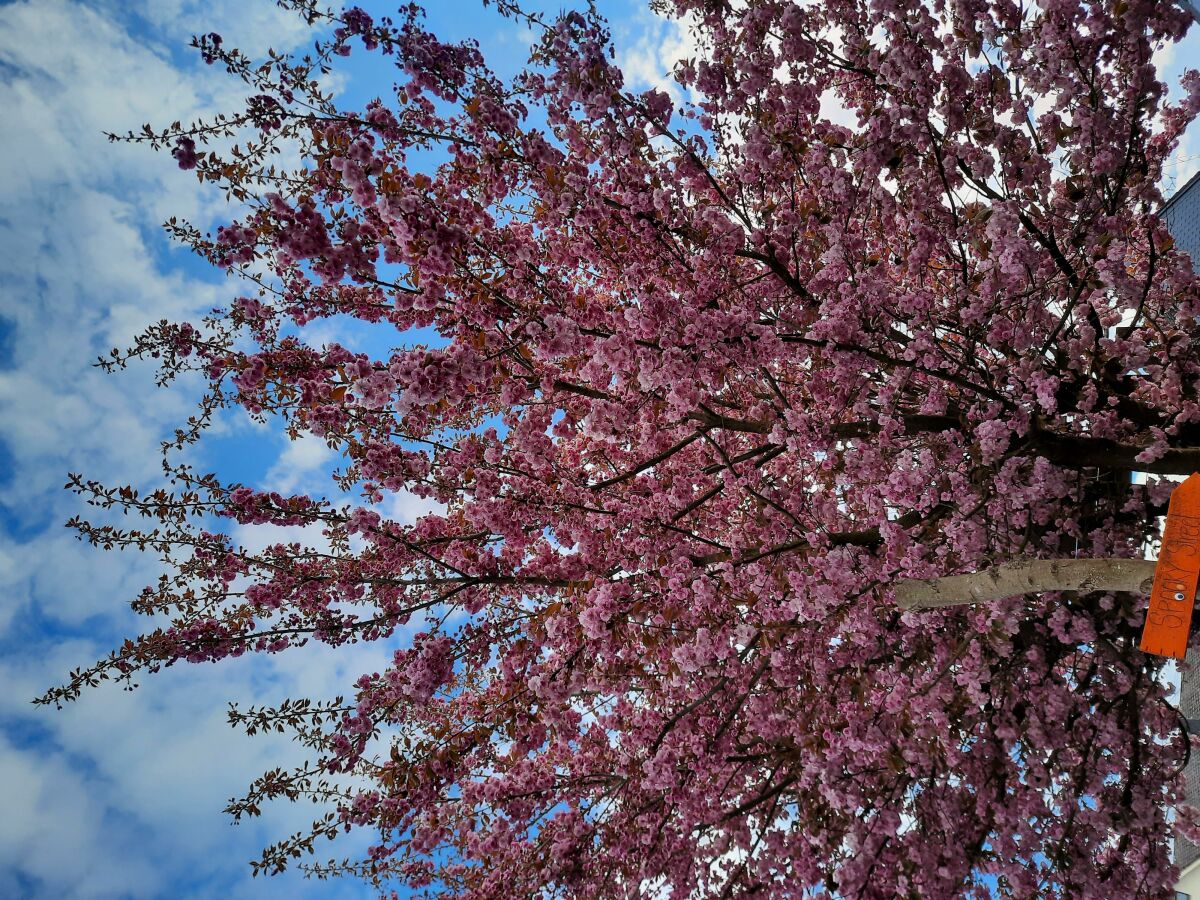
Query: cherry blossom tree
701	384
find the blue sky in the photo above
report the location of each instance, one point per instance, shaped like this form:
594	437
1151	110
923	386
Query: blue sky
120	795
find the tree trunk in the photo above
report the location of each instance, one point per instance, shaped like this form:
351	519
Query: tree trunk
1029	576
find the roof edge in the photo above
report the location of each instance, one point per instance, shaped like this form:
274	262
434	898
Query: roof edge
1188	185
1188	869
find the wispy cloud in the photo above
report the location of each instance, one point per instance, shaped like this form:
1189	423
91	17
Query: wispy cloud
651	46
119	795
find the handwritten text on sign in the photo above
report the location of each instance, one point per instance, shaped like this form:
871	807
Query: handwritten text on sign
1170	615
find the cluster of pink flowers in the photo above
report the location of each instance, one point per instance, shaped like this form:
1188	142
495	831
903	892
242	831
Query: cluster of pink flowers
235	245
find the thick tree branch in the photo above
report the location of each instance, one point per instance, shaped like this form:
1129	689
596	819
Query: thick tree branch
1027	576
1067	450
1085	452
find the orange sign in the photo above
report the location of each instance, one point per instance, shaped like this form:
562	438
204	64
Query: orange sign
1170	613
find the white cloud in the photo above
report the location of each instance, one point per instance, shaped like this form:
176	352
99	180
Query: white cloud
650	47
406	508
49	809
253	28
136	781
302	466
120	794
